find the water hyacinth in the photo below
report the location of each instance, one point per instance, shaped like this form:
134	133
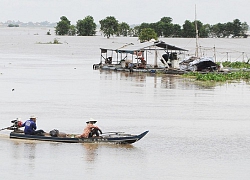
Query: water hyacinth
236	64
219	77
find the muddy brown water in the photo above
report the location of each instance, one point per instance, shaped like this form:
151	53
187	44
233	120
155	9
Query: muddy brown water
196	130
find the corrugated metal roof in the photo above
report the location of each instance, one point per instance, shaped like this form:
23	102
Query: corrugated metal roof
169	47
115	47
137	47
145	46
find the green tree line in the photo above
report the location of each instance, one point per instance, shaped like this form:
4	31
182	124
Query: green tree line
110	26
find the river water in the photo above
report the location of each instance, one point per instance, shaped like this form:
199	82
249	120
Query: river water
196	131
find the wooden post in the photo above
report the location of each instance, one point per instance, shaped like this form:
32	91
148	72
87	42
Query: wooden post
155	64
101	58
214	55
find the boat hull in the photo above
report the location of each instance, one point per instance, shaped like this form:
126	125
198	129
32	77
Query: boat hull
111	138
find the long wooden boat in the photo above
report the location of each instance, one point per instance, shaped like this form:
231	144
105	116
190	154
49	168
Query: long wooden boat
112	137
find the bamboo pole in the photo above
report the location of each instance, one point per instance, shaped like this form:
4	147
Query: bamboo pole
196	32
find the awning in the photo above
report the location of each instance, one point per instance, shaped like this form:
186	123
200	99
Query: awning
168	46
130	48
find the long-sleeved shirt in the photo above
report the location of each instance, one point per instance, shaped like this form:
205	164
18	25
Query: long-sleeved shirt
29	127
87	130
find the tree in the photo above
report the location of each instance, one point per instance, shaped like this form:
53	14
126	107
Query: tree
143	26
123	29
202	29
205	30
218	30
165	26
134	32
188	30
72	30
109	26
63	26
168	30
237	28
147	34
176	30
86	27
167	20
229	29
244	29
234	29
160	26
13	25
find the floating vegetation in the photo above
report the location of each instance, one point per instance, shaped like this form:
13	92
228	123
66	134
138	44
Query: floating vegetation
219	77
56	41
236	64
242	73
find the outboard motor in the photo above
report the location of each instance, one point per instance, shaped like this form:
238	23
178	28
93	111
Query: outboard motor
15	125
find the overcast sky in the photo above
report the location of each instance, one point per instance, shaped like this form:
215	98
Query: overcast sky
129	11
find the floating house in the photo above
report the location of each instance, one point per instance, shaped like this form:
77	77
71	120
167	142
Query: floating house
136	57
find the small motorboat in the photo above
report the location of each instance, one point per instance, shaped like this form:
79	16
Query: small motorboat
108	137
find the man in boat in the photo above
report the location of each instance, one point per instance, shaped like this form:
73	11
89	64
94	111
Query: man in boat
30	127
91	130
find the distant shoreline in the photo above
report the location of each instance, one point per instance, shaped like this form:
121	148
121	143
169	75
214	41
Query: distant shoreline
29	24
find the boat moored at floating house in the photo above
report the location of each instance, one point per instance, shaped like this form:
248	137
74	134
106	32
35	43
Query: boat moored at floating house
136	57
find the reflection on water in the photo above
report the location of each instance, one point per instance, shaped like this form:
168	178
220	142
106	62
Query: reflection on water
30	150
25	151
16	150
91	151
167	81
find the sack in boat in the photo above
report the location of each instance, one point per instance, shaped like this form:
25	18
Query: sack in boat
62	134
54	133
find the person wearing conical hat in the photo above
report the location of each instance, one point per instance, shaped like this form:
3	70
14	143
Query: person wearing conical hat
91	130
